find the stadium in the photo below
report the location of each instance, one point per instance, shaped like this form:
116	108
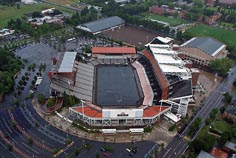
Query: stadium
119	86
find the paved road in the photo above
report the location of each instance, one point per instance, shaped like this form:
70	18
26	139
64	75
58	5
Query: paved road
178	145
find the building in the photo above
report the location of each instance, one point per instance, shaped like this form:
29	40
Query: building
120	87
157	10
202	50
106	99
47	16
210	20
230	147
219	153
174	78
172	118
28	1
230	113
163	10
227	2
97	26
6	32
122	1
122	51
210	2
233	101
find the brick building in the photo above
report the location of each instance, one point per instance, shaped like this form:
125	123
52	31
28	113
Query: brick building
202	50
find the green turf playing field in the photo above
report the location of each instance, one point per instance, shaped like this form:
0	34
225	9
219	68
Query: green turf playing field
226	36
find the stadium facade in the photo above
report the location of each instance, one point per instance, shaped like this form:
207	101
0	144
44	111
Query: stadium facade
120	87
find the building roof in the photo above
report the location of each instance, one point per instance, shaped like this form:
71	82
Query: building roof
168	59
219	153
204	154
172	68
152	111
230	146
102	24
67	63
182	89
227	1
233	101
88	111
205	44
113	50
231	110
156	50
161	40
172	116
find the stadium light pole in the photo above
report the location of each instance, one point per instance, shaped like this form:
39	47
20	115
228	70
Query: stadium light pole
82	109
161	105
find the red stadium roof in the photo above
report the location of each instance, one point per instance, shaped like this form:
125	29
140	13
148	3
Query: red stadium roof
88	111
113	50
152	111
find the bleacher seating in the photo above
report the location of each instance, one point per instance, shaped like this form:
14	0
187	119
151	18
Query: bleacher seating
152	79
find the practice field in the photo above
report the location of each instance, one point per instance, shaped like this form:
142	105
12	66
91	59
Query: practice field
226	36
117	86
171	20
7	13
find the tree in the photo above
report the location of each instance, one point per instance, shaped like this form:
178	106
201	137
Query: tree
51	102
224	138
194	126
41	98
222	109
234	83
213	113
36	14
227	98
205	143
179	36
172	127
221	66
9	147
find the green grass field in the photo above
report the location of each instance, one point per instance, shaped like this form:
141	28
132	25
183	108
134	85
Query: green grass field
226	36
7	13
172	21
221	126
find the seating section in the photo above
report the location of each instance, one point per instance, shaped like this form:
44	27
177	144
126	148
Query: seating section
83	86
152	79
158	73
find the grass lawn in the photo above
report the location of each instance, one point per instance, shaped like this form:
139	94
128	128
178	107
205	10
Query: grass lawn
7	13
172	21
221	126
226	36
212	8
226	24
215	9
